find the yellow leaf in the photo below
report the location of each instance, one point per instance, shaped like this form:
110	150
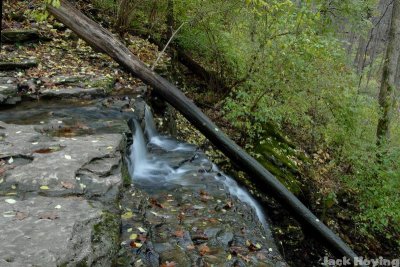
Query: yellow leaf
44	187
127	215
133	236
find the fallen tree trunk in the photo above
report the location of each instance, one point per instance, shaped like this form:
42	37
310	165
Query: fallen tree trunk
104	41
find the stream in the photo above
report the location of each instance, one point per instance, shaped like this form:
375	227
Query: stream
180	207
153	165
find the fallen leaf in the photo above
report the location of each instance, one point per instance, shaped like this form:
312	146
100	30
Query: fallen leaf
58	207
179	233
133	236
127	215
228	204
134	244
8	214
10	160
44	187
67	185
190	247
155	202
10	201
204	249
253	247
21	215
68	157
168	264
48	215
141	230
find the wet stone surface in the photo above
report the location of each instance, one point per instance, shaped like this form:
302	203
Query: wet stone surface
191	220
58	197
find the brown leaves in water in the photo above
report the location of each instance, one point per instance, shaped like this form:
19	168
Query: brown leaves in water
204	196
228	205
155	202
21	215
179	233
43	151
203	249
48	215
67	185
168	264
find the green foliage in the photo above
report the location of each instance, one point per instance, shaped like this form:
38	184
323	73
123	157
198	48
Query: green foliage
40	13
287	70
294	75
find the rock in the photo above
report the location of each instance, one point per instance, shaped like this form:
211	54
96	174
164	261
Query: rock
8	91
19	35
72	93
41	231
89	81
88	165
24	64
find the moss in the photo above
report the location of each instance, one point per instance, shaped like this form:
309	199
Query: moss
107	228
274	154
106	83
126	177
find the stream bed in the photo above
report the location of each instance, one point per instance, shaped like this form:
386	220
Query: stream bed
179	208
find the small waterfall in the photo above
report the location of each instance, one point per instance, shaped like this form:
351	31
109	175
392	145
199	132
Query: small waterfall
150	129
138	155
168	144
241	194
156	171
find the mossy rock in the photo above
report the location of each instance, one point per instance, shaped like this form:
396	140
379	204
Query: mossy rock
104	82
276	156
19	36
105	236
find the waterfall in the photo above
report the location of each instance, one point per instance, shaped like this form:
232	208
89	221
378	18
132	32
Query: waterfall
138	155
156	171
150	129
241	194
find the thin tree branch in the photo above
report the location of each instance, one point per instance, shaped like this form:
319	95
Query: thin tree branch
165	47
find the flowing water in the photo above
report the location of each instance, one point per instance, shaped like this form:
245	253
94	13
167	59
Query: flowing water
163	163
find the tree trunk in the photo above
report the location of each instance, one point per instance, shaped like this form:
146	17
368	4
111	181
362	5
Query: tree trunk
103	40
388	76
1	22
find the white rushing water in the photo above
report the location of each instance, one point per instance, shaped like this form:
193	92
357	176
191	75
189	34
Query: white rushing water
152	171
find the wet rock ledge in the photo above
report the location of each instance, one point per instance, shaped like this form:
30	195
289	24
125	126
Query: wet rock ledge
70	202
58	198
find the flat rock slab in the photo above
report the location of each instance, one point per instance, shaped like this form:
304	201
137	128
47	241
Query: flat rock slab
41	231
56	166
19	36
72	92
15	65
